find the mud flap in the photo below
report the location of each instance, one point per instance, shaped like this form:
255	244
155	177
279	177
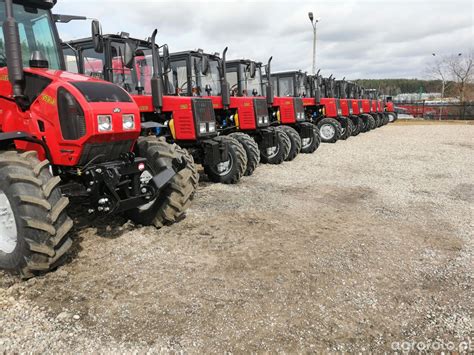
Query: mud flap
166	174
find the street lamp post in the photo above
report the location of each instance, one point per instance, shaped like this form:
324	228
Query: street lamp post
313	23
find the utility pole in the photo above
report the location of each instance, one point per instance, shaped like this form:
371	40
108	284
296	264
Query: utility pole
313	23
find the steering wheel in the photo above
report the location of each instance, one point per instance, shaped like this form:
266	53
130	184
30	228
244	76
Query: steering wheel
193	83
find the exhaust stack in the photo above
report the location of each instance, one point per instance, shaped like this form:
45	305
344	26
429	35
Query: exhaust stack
224	84
14	58
269	84
157	78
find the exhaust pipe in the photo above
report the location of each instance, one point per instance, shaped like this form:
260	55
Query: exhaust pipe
224	84
157	78
14	58
269	85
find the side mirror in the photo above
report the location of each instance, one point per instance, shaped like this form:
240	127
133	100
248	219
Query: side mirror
166	58
96	30
204	65
129	53
252	69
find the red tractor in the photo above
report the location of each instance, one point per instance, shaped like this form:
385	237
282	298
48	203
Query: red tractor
291	106
165	110
390	109
247	79
66	135
243	117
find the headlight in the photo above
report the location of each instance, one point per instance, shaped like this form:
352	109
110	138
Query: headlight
104	122
260	120
128	122
212	126
265	119
339	111
202	127
361	110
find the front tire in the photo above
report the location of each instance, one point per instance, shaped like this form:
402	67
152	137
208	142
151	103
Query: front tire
295	141
33	220
277	154
171	204
330	130
231	170
309	145
356	124
345	128
251	148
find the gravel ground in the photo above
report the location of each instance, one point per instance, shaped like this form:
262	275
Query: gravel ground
364	243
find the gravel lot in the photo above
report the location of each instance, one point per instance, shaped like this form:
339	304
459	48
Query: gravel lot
364	243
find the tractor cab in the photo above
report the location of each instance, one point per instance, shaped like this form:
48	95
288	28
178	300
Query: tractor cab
341	93
291	83
238	107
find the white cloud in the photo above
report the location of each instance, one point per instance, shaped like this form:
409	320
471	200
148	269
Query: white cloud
356	39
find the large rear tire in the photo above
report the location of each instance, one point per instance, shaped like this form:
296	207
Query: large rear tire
330	130
173	201
251	148
277	154
231	170
309	145
295	141
33	219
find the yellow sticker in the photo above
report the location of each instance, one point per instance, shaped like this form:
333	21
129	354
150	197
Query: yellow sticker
143	108
246	104
183	106
48	99
4	77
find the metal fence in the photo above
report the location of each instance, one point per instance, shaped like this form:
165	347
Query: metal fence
438	111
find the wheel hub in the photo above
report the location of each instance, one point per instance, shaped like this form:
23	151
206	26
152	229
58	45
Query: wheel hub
327	131
8	231
225	167
272	151
306	142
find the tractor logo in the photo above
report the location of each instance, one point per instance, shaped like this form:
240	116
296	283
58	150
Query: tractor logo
3	77
48	99
117	110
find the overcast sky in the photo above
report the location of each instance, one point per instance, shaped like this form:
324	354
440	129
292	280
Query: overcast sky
356	38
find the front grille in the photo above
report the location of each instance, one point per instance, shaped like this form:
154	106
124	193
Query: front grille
102	152
203	110
299	109
261	110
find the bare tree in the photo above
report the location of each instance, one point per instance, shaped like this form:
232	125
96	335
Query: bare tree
461	68
439	70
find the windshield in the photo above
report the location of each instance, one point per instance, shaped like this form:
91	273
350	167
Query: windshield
286	86
252	86
208	84
36	34
135	80
301	85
